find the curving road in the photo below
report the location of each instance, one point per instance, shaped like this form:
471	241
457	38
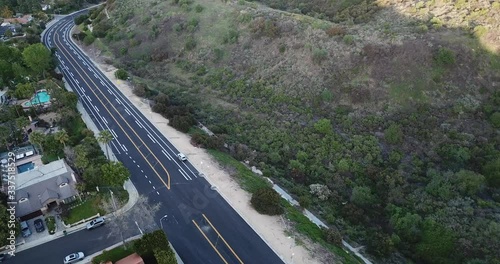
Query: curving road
201	225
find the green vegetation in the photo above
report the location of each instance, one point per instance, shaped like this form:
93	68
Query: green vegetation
267	201
114	254
86	209
121	74
50	222
385	129
156	244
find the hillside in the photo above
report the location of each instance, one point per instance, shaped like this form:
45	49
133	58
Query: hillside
393	107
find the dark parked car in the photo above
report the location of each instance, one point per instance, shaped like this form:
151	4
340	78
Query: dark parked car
39	227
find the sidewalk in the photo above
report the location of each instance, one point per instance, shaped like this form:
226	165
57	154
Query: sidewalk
88	259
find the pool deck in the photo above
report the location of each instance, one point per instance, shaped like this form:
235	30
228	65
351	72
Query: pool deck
36	159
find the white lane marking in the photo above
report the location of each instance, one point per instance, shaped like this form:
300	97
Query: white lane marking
185	176
77	82
149	182
113	133
150	137
125	148
139	124
121	145
103	83
118	101
84	63
109	91
88	97
146	176
133	161
166	154
154	187
142	171
138	166
157	193
95	75
127	111
104	119
113	143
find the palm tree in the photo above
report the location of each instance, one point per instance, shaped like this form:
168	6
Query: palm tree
4	135
22	122
62	137
105	137
37	138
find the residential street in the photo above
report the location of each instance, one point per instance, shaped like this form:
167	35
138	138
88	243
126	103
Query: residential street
54	251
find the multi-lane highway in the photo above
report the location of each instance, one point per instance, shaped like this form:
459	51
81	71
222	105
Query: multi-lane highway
200	224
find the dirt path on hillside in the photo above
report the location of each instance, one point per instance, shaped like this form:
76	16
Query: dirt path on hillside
273	229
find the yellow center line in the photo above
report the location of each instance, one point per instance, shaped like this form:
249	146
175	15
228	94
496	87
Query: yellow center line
112	116
208	240
222	238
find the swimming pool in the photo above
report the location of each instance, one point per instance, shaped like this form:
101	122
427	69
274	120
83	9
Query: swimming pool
25	167
41	97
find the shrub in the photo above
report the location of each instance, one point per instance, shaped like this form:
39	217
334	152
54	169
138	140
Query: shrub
121	74
101	29
495	119
190	43
480	31
80	19
348	39
231	37
319	55
267	201
50	222
445	57
393	134
336	31
89	39
183	122
198	8
305	201
139	90
333	236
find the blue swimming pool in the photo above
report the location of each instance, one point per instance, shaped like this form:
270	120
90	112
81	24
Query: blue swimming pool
25	167
41	97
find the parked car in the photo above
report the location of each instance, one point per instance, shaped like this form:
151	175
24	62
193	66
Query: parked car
39	227
95	223
25	229
73	257
181	157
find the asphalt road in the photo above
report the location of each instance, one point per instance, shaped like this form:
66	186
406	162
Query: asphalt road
54	251
200	224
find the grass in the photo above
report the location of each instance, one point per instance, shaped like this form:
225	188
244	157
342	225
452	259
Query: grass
85	210
114	254
51	224
304	226
406	93
247	179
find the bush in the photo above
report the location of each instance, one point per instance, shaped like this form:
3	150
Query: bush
80	19
348	39
393	134
190	43
336	31
50	222
445	57
495	119
182	122
319	55
267	201
333	236
121	74
89	39
198	8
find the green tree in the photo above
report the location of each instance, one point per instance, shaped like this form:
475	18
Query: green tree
4	135
105	137
495	119
38	58
21	123
121	74
37	138
114	174
393	134
267	201
437	243
492	173
62	137
323	126
164	256
333	236
469	182
150	242
407	226
24	90
81	158
362	196
305	201
4	223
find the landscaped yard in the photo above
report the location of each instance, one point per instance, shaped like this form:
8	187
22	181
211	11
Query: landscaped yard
114	254
51	224
88	208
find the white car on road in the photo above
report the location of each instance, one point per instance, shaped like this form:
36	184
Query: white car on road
181	157
74	257
95	223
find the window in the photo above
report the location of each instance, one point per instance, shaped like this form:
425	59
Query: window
23	199
63	184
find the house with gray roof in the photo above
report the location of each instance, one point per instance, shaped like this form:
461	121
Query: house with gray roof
44	187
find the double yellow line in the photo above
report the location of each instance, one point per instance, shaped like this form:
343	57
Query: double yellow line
218	236
167	184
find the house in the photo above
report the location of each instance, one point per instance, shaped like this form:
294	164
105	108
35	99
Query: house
131	259
19	20
6	26
44	187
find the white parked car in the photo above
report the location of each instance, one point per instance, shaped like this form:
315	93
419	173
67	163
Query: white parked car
95	223
181	157
74	257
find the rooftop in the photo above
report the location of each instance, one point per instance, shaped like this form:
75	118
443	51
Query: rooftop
42	173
